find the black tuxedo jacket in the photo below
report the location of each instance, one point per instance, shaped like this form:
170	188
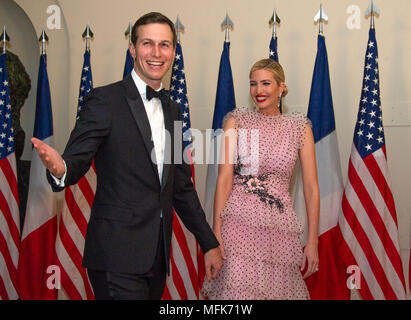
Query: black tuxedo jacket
123	231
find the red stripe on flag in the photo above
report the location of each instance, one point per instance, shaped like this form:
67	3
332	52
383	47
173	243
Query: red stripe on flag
37	253
3	291
200	254
9	201
76	257
93	166
377	221
67	284
182	242
11	177
382	185
5	209
178	281
367	249
86	190
189	272
11	268
78	210
75	211
166	294
384	149
344	251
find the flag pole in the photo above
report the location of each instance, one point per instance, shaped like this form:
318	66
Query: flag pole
128	32
275	19
4	39
372	11
87	34
321	31
43	39
179	28
273	52
226	25
320	17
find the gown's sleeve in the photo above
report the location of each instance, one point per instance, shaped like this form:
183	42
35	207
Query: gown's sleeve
302	124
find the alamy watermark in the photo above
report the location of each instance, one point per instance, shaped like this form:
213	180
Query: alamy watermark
354	20
54	280
212	147
54	17
354	280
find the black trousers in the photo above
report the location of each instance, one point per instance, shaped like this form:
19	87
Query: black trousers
122	286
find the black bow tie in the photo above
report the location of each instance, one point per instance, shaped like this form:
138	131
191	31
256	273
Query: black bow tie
151	93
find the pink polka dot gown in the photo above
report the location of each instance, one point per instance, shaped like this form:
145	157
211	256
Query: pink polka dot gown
261	232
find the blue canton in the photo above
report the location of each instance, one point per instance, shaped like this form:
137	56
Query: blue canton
86	83
369	132
273	49
6	124
178	93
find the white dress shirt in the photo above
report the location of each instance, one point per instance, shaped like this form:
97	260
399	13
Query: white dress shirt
155	117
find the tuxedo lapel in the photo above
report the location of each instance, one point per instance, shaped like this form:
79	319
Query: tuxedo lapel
140	116
169	143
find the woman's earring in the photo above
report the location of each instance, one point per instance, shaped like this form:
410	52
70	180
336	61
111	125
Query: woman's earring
279	100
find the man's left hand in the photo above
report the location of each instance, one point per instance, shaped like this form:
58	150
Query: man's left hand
213	262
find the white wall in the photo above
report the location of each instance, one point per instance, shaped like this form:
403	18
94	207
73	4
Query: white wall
202	45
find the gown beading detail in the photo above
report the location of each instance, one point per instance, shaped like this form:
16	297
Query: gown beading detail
260	231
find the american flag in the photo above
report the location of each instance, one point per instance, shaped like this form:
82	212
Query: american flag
187	261
274	55
369	222
75	216
9	201
273	49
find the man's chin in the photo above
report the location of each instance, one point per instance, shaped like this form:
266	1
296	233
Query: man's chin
157	74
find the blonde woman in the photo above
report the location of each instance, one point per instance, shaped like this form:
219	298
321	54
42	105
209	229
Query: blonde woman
254	219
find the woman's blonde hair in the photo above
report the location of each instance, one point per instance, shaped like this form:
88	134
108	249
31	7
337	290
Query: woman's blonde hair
275	68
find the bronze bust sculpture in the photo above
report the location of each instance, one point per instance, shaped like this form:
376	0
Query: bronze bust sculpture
19	85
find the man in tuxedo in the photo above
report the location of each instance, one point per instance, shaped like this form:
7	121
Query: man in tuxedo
128	128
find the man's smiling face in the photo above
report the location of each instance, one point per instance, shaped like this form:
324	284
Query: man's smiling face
153	52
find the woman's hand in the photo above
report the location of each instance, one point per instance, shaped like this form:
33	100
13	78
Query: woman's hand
310	256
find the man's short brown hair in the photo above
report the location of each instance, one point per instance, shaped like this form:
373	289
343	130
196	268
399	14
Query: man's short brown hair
152	17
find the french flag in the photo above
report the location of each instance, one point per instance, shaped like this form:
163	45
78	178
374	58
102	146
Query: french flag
38	277
330	281
224	103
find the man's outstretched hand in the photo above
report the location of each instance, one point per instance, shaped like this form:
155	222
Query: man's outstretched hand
51	159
